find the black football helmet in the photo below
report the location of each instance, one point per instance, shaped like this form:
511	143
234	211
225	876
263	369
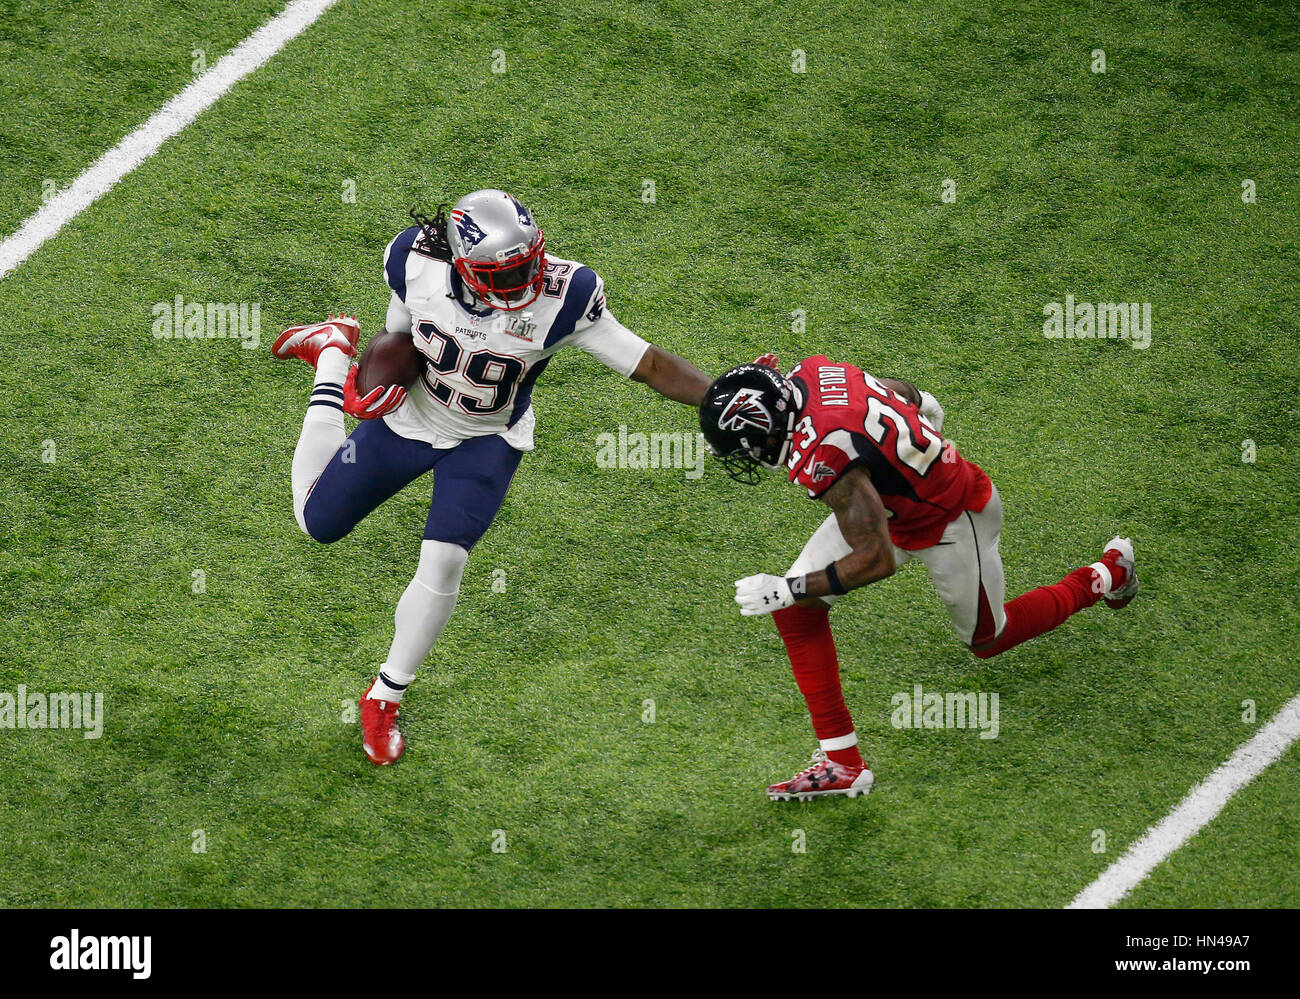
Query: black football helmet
747	417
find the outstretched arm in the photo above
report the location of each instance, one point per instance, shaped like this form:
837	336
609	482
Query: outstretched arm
671	376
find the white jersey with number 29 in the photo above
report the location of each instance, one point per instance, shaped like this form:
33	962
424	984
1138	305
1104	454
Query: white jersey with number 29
480	364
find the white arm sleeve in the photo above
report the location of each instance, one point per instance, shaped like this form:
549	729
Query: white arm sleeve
399	316
612	344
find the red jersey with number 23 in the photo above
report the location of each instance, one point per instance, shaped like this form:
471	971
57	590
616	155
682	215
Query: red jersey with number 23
849	419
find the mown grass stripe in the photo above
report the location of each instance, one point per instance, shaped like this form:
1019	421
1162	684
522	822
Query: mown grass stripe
172	118
1194	812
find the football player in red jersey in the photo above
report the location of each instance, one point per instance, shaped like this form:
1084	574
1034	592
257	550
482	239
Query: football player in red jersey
872	450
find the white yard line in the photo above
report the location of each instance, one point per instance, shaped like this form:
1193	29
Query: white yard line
252	53
1203	803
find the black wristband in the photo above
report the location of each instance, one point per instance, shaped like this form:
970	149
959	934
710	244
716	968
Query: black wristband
833	578
798	586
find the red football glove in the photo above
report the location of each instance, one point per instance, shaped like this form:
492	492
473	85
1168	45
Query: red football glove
768	361
379	401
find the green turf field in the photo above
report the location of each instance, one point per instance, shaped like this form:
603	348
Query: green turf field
775	191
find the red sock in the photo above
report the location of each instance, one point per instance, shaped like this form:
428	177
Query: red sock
806	632
1043	609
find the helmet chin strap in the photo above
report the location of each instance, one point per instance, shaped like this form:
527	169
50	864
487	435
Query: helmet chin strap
461	291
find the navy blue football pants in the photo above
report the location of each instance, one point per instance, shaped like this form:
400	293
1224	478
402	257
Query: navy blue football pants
470	482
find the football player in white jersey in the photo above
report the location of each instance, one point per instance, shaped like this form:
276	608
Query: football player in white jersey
487	309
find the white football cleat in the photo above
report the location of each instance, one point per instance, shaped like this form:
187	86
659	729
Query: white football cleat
1120	596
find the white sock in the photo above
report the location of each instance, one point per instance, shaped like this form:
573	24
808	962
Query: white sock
322	428
839	742
387	688
1103	582
422	613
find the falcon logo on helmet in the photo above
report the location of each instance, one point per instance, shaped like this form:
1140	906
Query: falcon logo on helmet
747	418
746	410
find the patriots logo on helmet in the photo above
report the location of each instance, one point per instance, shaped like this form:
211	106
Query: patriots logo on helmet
524	217
470	234
745	410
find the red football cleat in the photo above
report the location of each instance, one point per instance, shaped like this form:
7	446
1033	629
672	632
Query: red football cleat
381	738
823	777
306	342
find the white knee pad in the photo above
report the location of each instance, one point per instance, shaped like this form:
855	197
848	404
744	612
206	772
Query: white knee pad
441	567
